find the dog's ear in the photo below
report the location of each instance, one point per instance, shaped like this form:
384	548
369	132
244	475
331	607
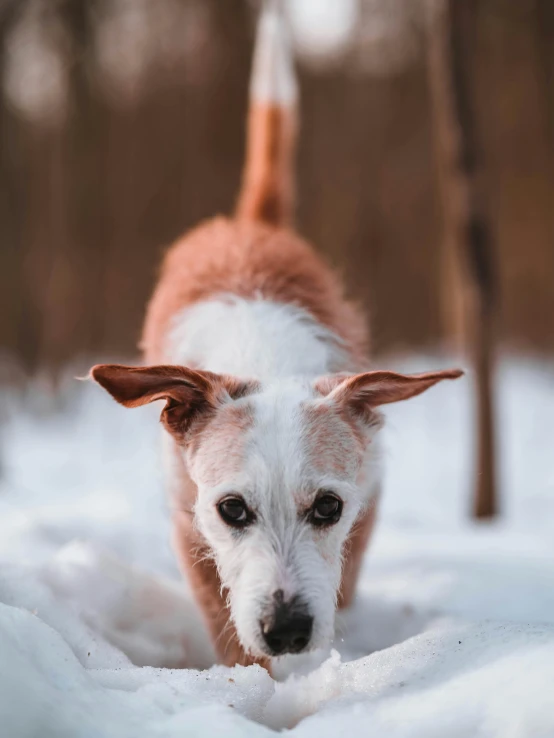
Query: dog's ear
187	392
361	393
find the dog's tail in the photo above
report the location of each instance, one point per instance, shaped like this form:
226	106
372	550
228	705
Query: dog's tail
268	182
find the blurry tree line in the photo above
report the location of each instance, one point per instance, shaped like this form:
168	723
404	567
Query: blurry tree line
122	123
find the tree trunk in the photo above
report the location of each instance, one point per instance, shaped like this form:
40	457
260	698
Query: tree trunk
470	294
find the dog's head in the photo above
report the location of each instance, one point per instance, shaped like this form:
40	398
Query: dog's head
283	471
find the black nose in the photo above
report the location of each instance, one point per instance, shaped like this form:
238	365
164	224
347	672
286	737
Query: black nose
289	629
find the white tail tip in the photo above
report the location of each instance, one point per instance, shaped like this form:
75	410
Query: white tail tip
273	79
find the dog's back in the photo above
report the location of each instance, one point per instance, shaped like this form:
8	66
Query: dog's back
249	279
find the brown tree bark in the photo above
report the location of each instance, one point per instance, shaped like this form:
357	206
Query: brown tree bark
470	294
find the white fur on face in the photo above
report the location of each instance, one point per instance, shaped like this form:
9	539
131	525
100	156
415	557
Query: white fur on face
277	449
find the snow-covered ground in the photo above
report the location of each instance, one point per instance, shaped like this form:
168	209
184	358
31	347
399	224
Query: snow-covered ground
452	634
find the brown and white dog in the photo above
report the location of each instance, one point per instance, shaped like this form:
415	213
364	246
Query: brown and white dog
271	417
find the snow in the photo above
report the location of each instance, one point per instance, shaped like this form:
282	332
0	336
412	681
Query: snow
452	633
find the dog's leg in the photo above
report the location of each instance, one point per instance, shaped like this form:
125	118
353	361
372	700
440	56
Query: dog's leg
356	546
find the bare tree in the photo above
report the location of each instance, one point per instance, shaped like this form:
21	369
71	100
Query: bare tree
469	274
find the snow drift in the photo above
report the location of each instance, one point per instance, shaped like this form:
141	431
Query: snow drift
452	633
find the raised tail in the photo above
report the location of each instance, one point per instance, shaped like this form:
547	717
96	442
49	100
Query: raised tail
268	182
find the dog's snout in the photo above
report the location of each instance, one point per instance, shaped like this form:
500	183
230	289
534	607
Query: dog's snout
288	628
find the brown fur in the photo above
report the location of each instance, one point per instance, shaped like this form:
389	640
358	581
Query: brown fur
220	443
360	394
192	396
354	548
334	439
248	259
268	183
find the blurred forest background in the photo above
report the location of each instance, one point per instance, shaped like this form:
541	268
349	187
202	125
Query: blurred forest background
122	123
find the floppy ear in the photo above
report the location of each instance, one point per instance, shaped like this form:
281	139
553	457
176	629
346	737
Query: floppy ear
360	393
187	392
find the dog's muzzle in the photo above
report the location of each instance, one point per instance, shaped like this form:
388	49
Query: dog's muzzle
288	626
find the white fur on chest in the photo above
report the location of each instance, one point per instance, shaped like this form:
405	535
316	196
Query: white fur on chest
254	338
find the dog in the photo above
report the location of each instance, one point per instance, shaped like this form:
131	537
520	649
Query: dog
271	417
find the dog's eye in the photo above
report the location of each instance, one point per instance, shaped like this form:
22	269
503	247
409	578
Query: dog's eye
234	512
326	510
